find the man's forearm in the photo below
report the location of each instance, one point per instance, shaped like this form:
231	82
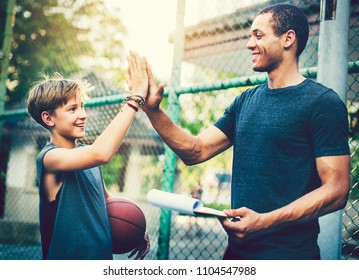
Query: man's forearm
319	202
181	142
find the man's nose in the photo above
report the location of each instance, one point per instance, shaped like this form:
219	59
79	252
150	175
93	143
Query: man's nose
250	44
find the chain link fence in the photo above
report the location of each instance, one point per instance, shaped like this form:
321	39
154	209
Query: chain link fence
215	68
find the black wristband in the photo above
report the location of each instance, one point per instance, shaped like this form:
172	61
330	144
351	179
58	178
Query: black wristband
137	98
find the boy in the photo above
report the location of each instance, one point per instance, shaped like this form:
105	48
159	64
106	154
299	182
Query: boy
73	215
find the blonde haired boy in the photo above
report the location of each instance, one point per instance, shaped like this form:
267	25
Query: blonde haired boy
73	215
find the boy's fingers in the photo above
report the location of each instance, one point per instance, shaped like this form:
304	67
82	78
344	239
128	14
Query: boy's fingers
128	82
131	64
132	253
143	66
137	62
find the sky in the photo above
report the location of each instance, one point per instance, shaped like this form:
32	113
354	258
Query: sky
148	25
150	22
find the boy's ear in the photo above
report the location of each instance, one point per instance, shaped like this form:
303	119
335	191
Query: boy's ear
47	119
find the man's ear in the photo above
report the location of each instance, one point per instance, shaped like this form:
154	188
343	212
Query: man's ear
47	119
289	39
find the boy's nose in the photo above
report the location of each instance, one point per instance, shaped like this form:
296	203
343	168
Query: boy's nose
83	114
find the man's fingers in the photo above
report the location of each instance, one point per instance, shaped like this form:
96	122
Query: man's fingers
160	90
149	73
229	213
237	213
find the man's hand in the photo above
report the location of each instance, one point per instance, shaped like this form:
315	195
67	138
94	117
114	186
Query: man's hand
245	224
155	95
141	249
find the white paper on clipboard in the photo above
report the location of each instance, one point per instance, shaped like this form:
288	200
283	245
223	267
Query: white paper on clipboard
181	204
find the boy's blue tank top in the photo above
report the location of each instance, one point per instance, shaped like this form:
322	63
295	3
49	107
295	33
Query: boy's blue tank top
76	224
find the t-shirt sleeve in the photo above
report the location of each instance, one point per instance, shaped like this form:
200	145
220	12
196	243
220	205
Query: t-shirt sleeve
329	126
226	123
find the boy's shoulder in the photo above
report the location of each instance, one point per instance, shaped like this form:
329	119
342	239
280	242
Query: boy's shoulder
49	146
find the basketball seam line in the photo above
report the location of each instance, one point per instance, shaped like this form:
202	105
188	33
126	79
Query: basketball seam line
127	222
125	203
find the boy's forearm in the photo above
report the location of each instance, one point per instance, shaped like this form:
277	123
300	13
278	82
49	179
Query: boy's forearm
107	144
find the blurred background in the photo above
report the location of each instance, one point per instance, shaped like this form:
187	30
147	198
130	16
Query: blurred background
197	48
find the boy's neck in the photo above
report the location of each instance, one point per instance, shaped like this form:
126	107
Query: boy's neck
62	142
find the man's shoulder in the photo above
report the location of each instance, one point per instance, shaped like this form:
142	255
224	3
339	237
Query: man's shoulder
251	91
318	87
322	93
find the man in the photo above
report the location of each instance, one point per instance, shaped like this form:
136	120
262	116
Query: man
291	155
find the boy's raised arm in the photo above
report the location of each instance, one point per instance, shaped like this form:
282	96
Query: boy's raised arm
107	144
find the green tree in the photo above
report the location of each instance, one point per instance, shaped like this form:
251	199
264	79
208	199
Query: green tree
64	36
112	170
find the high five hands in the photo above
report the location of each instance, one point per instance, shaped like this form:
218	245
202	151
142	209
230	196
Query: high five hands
139	73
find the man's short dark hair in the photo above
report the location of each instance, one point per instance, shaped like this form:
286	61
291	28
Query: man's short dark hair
289	17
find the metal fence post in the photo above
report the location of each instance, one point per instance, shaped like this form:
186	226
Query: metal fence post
6	48
333	73
10	18
173	111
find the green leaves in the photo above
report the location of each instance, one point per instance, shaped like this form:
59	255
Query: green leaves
65	36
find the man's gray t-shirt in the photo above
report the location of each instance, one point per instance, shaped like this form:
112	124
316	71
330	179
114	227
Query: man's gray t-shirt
277	134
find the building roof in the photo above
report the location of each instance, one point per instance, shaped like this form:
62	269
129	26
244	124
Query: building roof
220	42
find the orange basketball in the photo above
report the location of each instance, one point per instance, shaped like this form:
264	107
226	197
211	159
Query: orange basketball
128	224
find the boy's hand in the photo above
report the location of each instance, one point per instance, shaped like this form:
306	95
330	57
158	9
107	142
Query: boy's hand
137	79
142	249
155	94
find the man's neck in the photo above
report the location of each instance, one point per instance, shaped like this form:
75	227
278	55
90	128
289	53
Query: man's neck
285	76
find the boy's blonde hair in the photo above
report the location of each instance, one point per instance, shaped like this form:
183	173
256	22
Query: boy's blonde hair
52	92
